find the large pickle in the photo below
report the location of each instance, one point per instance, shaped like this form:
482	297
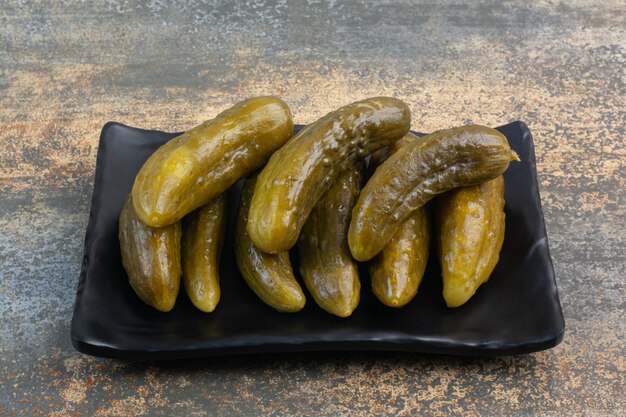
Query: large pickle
203	235
470	225
269	276
200	164
418	171
326	265
151	258
397	271
300	172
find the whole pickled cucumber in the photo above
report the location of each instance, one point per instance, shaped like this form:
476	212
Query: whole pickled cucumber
470	224
418	171
200	164
326	265
300	172
397	271
151	258
269	276
203	235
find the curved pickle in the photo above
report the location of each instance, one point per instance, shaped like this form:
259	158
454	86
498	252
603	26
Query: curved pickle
397	271
418	171
326	265
470	224
203	235
151	258
269	276
305	168
197	166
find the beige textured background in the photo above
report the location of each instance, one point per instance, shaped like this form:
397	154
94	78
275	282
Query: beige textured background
66	68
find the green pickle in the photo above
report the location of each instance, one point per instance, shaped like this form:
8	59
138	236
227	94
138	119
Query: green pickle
305	168
270	276
203	236
470	229
151	258
327	268
417	172
197	166
397	271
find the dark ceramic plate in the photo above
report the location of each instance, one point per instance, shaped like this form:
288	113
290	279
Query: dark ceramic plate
516	311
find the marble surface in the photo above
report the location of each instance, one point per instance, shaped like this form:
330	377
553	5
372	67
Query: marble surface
66	68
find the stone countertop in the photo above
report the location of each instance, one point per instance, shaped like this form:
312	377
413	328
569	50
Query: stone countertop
66	68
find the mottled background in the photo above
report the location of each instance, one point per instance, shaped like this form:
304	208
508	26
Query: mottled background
68	67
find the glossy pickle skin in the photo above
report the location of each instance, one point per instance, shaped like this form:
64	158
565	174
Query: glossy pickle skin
470	229
197	166
327	268
417	172
270	276
304	169
378	157
151	258
203	237
397	271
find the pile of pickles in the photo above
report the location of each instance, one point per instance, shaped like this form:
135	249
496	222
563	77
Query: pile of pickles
313	192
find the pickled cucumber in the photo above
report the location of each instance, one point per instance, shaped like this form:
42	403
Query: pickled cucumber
269	276
203	235
191	169
471	232
327	268
305	168
418	171
151	258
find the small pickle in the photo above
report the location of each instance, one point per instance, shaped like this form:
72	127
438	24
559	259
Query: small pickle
269	276
397	271
326	265
300	172
203	235
378	157
470	225
417	172
197	166
151	258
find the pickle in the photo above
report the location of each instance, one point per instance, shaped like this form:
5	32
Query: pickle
418	171
203	235
200	164
470	224
326	265
269	276
378	157
151	258
397	271
300	172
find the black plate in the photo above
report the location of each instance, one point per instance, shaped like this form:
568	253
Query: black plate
516	311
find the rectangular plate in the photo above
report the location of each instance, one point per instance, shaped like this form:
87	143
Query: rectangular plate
516	311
